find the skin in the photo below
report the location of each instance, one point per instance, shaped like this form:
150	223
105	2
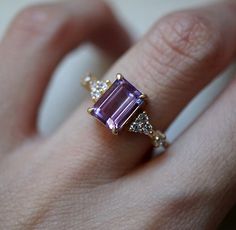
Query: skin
82	177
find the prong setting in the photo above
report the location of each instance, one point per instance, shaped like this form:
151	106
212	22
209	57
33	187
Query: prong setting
108	82
119	76
90	110
117	103
86	81
114	131
143	96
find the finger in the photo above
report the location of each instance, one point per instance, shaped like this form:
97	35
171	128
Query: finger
196	179
177	58
35	43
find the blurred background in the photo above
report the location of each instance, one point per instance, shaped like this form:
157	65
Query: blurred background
65	94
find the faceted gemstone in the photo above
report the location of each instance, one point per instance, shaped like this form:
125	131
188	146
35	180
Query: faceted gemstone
117	104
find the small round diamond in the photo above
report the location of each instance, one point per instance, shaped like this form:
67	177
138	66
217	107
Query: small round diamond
141	124
97	89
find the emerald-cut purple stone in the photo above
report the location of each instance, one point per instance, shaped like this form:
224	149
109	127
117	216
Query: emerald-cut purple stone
117	104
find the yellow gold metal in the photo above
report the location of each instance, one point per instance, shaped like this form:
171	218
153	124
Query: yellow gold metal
86	81
119	76
115	131
109	83
143	96
94	99
158	138
90	110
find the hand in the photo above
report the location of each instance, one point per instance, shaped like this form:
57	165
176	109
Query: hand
82	177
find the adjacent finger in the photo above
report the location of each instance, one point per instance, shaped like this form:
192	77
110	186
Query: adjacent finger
37	40
196	178
178	57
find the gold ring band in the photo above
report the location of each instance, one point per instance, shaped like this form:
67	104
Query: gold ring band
119	104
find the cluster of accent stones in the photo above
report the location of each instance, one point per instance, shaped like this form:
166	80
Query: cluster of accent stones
97	89
141	124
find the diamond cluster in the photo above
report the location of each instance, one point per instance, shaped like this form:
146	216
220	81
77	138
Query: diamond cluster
141	124
97	89
116	103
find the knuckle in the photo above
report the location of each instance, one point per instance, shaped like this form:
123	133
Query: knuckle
187	34
177	43
47	24
182	36
41	23
102	6
31	20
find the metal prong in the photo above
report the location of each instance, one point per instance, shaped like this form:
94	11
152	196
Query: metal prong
119	76
85	82
90	110
115	131
143	96
108	82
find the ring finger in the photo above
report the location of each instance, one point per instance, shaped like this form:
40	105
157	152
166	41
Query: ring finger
177	58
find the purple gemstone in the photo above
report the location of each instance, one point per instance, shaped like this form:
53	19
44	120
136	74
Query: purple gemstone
117	104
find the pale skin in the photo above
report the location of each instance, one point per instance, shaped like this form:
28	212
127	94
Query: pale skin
83	177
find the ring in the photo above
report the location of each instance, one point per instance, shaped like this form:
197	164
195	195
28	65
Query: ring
118	105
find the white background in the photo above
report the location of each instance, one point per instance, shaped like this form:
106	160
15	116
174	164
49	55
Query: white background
65	94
